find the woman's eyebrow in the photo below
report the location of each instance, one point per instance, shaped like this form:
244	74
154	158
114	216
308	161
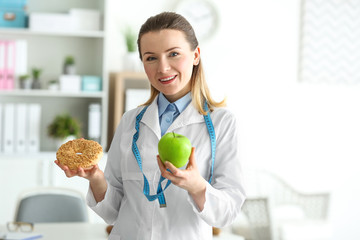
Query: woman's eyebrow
168	50
147	53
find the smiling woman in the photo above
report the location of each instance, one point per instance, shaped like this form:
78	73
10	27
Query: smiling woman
207	191
168	60
175	23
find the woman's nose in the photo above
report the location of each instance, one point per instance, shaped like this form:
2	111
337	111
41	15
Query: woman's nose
164	66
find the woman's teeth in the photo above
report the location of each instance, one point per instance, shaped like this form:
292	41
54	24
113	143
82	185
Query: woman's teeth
167	79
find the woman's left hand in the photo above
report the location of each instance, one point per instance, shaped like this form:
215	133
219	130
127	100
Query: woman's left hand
188	179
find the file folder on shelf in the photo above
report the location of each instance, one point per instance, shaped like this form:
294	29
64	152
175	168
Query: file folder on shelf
1	128
94	126
2	64
21	128
9	115
21	57
9	65
34	116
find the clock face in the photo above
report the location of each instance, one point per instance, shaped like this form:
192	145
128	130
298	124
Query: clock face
202	15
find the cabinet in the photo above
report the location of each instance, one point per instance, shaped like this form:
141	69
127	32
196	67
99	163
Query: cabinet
119	83
47	50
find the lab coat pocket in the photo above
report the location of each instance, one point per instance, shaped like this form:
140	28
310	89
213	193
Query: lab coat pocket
132	176
134	182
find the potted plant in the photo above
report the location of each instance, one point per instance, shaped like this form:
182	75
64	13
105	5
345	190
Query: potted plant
36	72
64	128
131	60
130	38
25	81
69	65
53	85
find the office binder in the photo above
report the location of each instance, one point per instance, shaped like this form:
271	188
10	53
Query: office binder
34	116
1	127
2	64
21	54
9	127
9	65
94	124
21	128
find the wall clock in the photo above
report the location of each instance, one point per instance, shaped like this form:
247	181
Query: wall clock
202	15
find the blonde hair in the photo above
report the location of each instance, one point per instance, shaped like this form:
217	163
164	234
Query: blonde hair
199	88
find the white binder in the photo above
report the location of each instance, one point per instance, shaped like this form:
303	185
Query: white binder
21	57
9	127
21	128
10	65
34	116
94	125
2	64
1	128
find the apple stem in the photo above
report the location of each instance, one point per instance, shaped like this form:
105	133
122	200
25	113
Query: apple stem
173	134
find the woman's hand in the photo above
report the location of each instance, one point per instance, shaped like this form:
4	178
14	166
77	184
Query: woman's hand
188	179
95	176
89	174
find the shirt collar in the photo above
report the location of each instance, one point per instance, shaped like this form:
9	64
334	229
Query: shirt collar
180	104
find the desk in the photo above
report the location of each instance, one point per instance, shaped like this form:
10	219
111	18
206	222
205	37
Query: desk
89	231
69	231
228	236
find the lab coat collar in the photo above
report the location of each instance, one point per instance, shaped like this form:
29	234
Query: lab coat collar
189	116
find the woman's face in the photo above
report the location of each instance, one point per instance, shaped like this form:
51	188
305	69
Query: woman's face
168	62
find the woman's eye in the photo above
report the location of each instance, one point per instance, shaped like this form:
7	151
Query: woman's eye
150	58
174	54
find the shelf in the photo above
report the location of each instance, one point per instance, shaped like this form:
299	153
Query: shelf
48	155
29	32
27	155
46	49
49	93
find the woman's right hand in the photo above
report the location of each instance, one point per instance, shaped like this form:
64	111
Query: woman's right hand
95	176
90	174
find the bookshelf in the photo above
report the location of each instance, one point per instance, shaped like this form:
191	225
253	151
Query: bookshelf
47	50
119	82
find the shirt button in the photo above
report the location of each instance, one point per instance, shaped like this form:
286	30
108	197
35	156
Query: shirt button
168	120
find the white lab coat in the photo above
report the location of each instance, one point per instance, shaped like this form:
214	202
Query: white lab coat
125	205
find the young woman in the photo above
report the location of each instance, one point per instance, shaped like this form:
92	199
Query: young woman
144	198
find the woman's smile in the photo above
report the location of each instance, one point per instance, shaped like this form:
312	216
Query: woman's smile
168	80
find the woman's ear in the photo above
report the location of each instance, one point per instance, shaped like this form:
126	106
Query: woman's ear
196	56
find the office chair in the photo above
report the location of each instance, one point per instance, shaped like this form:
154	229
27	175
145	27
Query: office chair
46	205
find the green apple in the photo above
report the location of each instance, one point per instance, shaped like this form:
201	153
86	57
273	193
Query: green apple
174	148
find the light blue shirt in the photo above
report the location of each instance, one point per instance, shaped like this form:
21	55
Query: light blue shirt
168	112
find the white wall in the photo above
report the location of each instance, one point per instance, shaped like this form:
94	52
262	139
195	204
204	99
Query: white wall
309	134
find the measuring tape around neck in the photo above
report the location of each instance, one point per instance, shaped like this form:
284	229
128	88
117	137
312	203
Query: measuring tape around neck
160	191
